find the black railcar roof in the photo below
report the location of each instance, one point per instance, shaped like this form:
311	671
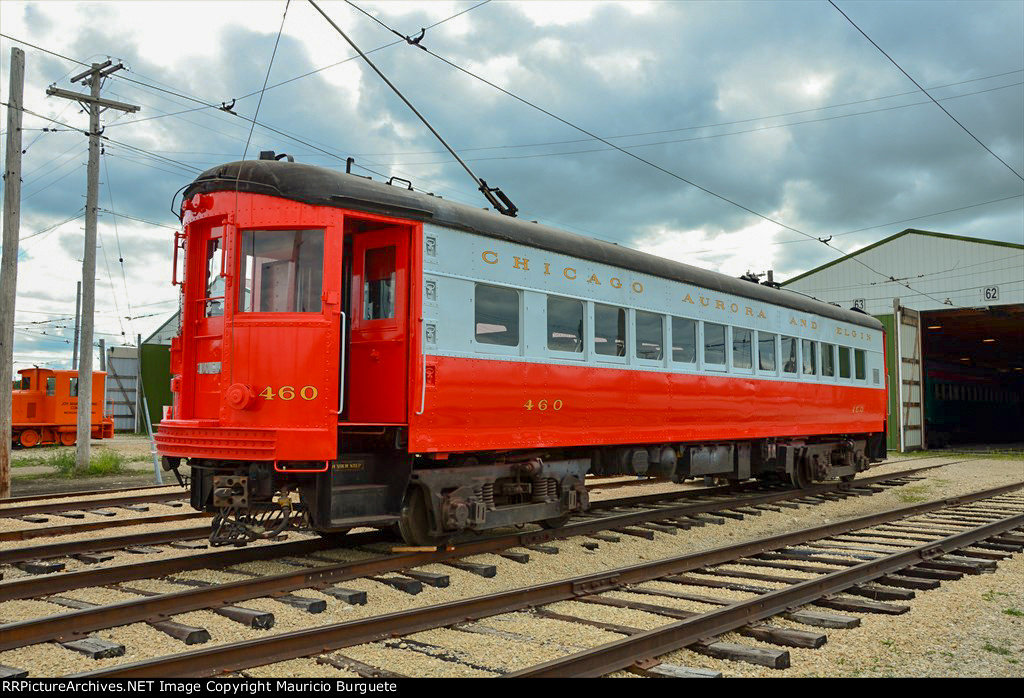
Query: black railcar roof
320	186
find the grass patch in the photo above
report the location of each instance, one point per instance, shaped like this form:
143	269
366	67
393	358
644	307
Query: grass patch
991	595
1015	612
102	464
913	493
995	649
994	454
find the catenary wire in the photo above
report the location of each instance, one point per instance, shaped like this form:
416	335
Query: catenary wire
918	86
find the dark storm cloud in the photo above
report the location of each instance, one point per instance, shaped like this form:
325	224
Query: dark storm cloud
679	65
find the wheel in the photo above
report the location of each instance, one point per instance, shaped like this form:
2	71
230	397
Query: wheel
847	478
801	476
67	438
414	525
556	522
28	438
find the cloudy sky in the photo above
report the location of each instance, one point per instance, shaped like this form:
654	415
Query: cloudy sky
784	108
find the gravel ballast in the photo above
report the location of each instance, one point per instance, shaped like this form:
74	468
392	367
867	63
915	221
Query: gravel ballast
1000	630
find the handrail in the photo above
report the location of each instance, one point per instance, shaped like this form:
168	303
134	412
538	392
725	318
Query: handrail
423	381
174	264
341	365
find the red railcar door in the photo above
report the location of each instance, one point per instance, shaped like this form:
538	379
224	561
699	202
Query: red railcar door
379	339
204	319
285	337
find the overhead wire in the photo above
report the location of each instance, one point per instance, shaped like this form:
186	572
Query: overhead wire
266	79
710	136
928	94
494	195
120	254
714	125
872	227
666	171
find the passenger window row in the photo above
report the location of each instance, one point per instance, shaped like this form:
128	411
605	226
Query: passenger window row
722	347
974	393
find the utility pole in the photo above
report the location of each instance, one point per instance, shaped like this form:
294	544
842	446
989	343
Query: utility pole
93	78
9	263
78	324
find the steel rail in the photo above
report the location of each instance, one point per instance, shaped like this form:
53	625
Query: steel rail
81	493
310	641
597	480
95	545
790	493
623	653
45	585
52	507
52	627
71	529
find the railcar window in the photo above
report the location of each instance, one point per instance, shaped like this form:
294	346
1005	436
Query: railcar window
810	361
497	315
379	284
742	348
214	281
788	355
73	387
684	340
609	330
844	362
650	335
565	324
766	352
51	385
828	360
714	344
860	365
282	272
26	383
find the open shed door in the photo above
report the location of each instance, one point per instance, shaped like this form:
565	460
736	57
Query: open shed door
910	377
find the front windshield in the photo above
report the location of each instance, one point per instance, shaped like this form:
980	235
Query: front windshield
281	271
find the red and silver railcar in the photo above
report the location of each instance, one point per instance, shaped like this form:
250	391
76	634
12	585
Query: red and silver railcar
357	354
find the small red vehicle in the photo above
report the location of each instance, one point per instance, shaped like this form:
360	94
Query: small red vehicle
45	408
397	359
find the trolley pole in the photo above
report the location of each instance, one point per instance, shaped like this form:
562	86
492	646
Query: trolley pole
94	103
9	262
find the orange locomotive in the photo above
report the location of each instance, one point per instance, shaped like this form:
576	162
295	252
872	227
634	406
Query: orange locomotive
397	359
46	408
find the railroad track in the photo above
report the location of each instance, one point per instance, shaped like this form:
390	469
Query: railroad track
610	482
4	501
174	495
93	550
621	516
44	558
850	565
88	527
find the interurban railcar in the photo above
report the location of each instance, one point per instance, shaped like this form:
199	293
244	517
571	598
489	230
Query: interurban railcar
353	353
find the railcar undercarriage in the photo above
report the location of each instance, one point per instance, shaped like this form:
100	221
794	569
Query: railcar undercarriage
430	500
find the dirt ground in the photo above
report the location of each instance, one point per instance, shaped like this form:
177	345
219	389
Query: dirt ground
26	480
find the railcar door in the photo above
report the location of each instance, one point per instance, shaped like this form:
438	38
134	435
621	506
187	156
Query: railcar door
204	318
285	331
378	342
